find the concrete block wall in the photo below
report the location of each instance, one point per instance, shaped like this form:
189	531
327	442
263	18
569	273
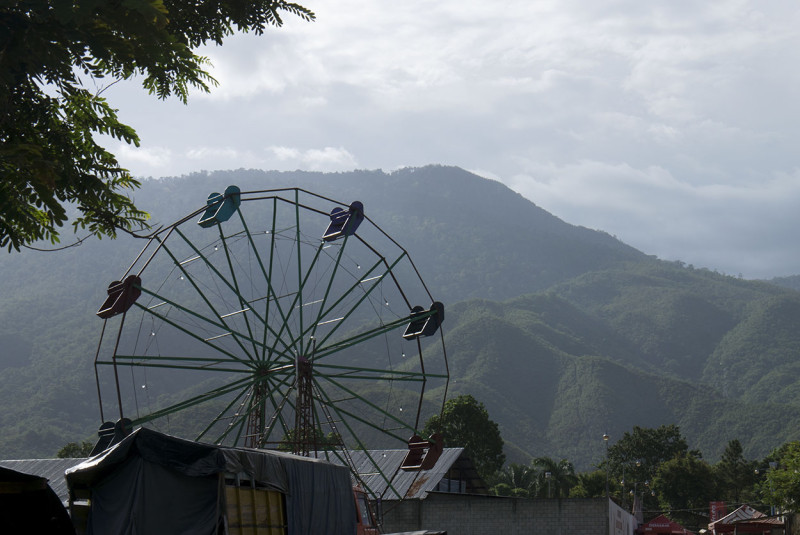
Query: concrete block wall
461	514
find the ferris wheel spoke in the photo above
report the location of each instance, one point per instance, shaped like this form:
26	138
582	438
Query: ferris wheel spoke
139	361
323	397
235	281
246	306
219	325
374	374
339	345
188	276
271	296
278	408
221	415
241	418
297	303
270	278
328	287
400	423
205	341
361	299
349	291
196	400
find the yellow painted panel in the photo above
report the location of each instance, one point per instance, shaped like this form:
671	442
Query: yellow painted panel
255	511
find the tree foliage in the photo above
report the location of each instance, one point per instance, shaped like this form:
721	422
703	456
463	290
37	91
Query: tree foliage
781	485
465	423
75	449
544	478
51	54
634	460
735	476
589	485
685	485
515	480
639	453
556	478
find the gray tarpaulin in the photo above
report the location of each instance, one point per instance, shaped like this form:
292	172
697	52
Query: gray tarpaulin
151	483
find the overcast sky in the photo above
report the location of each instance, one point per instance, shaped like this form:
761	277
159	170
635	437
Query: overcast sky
671	124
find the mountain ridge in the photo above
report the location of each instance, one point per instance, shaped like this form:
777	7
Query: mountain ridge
564	332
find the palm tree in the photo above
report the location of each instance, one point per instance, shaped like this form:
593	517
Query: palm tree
560	480
515	480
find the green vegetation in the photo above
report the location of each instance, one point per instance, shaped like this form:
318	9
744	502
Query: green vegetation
50	53
465	422
562	333
654	468
74	449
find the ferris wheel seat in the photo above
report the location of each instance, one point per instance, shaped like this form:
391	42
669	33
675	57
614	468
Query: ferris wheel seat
427	322
423	454
344	222
121	296
220	207
111	433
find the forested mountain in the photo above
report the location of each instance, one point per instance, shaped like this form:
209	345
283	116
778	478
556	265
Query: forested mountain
565	333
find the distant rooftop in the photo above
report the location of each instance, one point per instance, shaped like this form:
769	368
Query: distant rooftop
453	472
50	469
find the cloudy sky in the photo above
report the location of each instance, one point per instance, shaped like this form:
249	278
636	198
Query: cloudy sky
672	124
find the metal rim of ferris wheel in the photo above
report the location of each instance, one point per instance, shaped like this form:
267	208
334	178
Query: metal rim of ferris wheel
278	322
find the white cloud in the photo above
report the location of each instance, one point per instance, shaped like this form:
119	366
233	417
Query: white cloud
639	118
149	157
707	224
325	159
213	153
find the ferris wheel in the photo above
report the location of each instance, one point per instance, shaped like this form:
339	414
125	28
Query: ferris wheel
276	319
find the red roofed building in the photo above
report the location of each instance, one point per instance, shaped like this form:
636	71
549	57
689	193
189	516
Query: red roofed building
662	524
745	519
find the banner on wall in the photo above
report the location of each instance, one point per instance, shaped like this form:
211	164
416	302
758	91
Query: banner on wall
620	521
716	510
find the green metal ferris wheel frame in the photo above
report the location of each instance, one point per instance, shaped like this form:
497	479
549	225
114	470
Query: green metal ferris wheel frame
264	303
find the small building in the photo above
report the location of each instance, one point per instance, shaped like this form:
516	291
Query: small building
453	472
745	519
662	525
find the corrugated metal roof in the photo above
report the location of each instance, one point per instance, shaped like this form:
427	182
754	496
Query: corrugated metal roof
745	515
50	469
380	471
745	512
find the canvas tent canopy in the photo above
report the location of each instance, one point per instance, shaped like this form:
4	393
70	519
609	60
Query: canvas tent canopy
151	483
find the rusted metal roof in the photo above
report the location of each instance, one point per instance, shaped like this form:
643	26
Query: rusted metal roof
50	469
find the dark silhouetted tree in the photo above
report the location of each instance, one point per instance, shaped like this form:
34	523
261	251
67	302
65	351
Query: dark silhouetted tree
465	423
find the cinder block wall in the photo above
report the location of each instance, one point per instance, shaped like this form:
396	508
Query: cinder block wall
461	514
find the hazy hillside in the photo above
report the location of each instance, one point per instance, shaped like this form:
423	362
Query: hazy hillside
558	386
564	332
471	237
792	282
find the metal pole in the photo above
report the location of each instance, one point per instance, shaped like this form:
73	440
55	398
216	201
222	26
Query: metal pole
605	439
